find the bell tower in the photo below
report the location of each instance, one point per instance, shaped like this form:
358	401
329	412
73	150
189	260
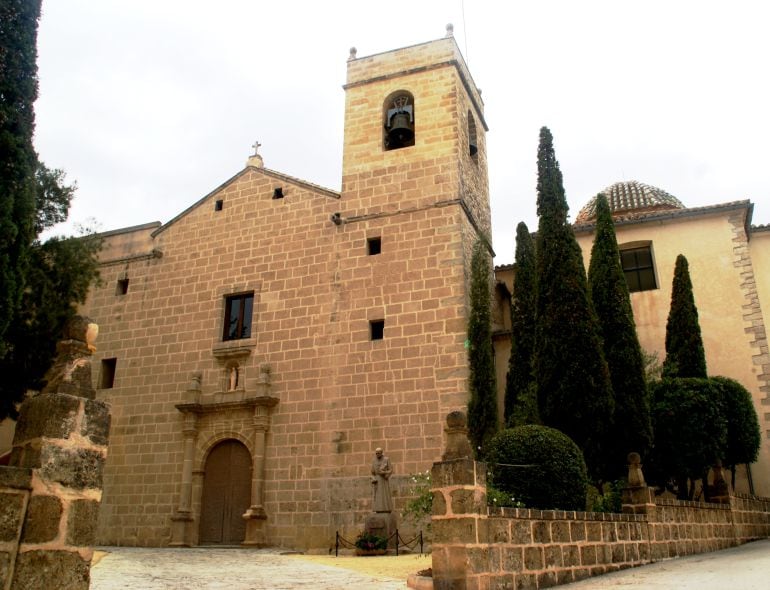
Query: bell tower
414	200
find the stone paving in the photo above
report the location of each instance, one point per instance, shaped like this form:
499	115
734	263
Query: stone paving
130	568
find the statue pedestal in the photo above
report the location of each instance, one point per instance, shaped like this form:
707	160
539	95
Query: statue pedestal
383	524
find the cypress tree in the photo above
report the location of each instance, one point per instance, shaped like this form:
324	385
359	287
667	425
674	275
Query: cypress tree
482	406
609	294
573	382
685	356
18	91
520	394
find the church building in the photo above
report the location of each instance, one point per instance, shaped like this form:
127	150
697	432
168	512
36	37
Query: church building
259	346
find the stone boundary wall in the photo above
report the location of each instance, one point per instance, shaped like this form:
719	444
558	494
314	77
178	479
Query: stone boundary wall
476	547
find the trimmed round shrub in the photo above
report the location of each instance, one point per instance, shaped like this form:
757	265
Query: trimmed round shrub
743	434
556	475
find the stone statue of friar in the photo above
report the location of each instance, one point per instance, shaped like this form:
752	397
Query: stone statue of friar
381	472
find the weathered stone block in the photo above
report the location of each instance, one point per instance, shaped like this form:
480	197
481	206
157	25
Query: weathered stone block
17	478
465	502
577	531
552	555
96	422
454	530
49	414
541	532
533	558
513	559
11	514
546	580
62	570
459	472
560	532
570	555
588	555
593	531
618	553
82	521
498	530
502	582
75	468
526	582
478	560
564	577
521	532
439	504
43	519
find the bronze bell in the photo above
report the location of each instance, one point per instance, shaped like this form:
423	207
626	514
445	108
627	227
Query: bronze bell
401	132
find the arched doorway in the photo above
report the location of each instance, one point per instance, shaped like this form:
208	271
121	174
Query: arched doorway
226	494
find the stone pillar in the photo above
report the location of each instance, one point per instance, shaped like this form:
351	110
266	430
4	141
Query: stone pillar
61	437
459	519
637	498
256	518
182	521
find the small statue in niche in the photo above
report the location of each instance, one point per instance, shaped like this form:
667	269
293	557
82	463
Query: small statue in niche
381	472
233	378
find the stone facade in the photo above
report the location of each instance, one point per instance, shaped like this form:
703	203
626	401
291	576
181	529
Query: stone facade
475	546
309	392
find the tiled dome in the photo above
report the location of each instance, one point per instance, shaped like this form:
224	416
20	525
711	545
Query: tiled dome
629	199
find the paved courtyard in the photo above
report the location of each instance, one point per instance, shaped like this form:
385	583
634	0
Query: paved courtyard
740	568
129	568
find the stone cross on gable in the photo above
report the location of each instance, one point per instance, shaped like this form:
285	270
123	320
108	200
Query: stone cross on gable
256	145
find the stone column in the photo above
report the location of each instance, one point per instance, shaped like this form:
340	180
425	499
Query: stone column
182	521
61	437
256	518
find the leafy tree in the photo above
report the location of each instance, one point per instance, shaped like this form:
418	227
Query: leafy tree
609	294
743	434
482	406
539	466
520	393
18	91
573	382
690	431
685	356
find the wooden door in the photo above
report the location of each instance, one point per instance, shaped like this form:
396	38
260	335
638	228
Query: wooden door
226	494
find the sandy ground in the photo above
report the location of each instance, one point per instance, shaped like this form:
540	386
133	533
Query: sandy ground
380	565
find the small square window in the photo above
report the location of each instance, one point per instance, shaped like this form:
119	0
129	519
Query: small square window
107	374
218	205
278	193
639	268
238	311
374	246
122	287
377	329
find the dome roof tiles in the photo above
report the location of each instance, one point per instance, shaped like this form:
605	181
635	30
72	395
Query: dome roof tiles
630	198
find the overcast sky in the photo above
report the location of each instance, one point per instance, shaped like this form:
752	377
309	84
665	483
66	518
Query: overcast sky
151	104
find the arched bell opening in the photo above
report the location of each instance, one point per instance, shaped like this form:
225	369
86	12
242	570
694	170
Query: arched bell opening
398	120
473	141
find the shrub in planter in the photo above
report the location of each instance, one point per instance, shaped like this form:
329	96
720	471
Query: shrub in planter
555	476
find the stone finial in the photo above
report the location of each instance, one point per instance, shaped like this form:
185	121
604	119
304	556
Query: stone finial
255	159
353	52
71	370
450	30
457	444
635	475
193	392
263	380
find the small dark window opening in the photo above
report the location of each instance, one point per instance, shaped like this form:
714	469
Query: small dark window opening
122	287
473	141
238	311
278	193
107	376
377	329
638	268
218	205
374	246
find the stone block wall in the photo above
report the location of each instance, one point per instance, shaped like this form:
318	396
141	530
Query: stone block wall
477	547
